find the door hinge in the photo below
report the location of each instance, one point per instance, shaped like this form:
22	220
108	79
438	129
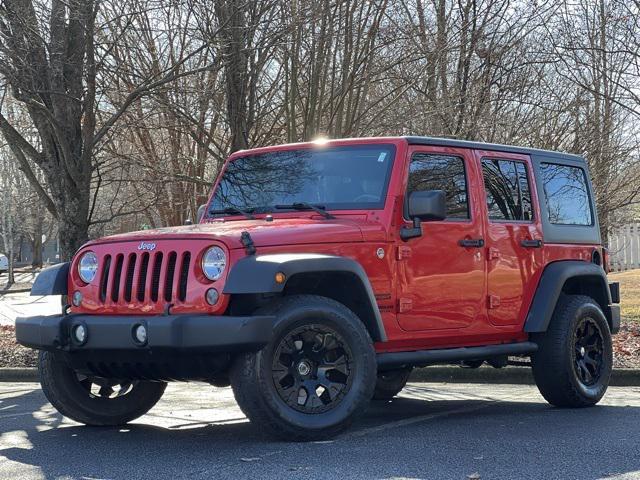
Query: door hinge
494	301
494	253
403	252
404	305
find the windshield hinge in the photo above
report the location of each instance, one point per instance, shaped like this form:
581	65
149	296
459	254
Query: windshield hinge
247	241
403	252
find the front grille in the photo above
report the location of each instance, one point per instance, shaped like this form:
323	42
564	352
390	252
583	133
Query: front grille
145	277
142	276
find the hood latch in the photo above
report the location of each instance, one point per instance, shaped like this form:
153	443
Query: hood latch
247	241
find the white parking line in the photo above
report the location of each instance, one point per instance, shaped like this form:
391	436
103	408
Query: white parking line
486	402
422	418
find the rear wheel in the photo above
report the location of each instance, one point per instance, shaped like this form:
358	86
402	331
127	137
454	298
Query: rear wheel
95	400
314	377
574	360
390	383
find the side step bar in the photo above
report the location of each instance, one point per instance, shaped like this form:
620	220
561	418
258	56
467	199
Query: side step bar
387	361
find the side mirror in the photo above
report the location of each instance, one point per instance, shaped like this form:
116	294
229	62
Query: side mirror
428	206
200	213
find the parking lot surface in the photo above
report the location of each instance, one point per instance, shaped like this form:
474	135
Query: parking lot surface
18	304
432	431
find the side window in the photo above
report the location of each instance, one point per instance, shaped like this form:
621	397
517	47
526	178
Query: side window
441	172
565	189
508	191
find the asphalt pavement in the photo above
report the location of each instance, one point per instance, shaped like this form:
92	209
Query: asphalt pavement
432	431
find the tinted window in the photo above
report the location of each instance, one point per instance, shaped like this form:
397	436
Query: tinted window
339	178
565	189
441	172
508	192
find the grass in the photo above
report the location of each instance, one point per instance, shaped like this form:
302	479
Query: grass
629	294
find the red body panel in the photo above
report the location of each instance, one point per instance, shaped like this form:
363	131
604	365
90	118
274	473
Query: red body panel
438	264
512	270
430	291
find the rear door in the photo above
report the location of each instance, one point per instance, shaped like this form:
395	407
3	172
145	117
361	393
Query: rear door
514	234
442	273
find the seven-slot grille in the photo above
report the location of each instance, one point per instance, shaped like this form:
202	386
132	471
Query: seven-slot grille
150	277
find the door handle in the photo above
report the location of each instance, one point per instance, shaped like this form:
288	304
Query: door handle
531	243
471	242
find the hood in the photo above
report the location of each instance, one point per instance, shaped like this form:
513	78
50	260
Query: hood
280	231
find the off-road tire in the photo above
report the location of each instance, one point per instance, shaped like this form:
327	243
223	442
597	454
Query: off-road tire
390	383
253	374
554	364
64	391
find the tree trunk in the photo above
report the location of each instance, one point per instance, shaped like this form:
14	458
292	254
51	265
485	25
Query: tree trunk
73	232
11	280
232	16
36	246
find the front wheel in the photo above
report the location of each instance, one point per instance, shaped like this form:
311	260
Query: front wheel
314	377
574	360
93	400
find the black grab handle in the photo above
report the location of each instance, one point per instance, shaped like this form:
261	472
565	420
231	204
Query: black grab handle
471	243
531	243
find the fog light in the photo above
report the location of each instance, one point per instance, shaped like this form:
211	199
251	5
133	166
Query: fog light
77	298
280	277
140	334
212	296
80	334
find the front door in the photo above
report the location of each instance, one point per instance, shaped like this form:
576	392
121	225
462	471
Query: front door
442	273
514	235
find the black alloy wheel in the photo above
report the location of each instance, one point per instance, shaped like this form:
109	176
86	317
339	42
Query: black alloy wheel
95	400
588	351
316	375
574	361
312	368
98	387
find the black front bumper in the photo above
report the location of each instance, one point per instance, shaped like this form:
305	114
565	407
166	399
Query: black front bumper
178	347
167	332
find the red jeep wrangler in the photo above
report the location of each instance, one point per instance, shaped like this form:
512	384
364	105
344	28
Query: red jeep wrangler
320	274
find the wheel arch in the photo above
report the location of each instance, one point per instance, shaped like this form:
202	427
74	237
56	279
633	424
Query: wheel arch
52	280
340	278
571	277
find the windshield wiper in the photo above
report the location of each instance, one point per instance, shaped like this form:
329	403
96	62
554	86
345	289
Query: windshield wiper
320	209
232	210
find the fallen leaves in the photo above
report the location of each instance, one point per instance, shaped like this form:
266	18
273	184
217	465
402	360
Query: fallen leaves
14	355
626	346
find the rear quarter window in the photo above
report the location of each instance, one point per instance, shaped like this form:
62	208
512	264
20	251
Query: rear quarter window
567	194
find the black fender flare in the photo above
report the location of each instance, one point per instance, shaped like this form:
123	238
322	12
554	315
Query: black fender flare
52	280
552	281
256	274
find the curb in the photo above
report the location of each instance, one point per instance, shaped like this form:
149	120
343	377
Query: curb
18	374
508	375
444	374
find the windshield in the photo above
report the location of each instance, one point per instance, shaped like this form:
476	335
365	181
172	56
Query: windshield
334	178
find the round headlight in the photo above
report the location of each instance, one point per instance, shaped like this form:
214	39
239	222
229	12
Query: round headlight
88	266
214	262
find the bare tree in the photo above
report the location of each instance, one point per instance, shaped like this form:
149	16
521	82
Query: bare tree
589	50
133	105
48	60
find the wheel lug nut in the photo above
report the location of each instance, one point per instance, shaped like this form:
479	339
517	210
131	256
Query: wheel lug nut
304	368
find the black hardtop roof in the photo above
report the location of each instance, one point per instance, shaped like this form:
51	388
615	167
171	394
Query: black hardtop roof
449	142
